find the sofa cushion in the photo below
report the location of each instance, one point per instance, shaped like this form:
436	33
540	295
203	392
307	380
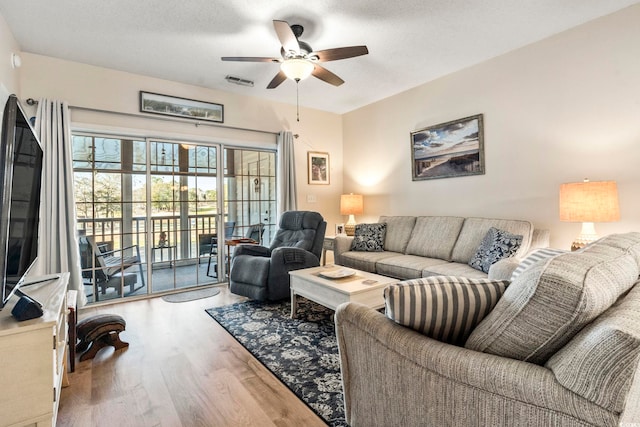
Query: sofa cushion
548	303
496	245
599	362
453	269
474	230
406	266
365	261
445	308
434	236
399	230
533	257
369	237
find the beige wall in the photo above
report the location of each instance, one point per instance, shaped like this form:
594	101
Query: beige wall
557	111
8	75
99	88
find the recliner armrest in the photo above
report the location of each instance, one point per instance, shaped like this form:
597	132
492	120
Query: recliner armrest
291	255
251	250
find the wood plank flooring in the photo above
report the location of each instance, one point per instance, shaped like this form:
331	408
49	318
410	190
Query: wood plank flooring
181	369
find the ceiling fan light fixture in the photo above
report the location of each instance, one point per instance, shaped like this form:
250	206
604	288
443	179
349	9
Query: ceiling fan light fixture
297	68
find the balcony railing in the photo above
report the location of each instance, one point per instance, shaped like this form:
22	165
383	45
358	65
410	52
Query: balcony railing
184	236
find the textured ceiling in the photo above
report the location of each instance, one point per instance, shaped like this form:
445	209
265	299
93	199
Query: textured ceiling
410	42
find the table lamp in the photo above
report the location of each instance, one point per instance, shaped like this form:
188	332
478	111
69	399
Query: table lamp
588	202
351	204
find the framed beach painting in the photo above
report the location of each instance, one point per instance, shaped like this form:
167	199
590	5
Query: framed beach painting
156	103
318	167
448	150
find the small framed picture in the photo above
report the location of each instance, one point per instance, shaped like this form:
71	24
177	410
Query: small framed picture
339	229
318	167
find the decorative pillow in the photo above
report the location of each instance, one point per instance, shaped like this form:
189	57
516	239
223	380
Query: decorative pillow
598	363
446	308
533	257
550	302
496	245
369	237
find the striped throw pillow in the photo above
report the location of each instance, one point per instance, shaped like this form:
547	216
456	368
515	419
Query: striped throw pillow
534	257
445	308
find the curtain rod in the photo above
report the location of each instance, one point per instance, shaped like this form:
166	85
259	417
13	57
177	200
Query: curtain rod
31	101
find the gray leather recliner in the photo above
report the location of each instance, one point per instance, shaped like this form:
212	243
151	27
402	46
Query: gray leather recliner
262	273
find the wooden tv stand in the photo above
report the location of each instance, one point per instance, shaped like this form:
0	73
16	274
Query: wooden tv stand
32	357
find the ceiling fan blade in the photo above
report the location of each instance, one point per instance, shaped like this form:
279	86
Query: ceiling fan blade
340	53
277	80
287	38
250	59
326	75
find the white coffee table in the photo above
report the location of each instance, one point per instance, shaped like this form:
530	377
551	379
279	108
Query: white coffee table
333	292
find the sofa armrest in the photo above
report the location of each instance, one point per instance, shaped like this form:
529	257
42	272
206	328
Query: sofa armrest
341	244
539	239
393	375
503	269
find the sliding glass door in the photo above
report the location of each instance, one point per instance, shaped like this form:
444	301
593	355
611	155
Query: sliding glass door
153	215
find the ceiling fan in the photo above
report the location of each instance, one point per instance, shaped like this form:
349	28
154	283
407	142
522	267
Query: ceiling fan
299	60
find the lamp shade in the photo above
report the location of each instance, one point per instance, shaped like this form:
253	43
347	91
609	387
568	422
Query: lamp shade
297	68
351	204
589	201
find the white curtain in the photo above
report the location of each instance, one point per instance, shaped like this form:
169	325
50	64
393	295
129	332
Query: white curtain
286	179
58	244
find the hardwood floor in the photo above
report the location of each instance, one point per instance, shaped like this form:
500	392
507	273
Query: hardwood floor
180	369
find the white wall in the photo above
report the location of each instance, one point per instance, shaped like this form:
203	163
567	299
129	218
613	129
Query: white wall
105	89
8	75
557	111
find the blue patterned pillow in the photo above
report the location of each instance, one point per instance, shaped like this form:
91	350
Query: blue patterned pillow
369	237
496	245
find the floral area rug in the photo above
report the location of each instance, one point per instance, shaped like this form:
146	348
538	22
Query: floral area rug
302	352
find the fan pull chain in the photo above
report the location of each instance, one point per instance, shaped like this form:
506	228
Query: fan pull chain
297	100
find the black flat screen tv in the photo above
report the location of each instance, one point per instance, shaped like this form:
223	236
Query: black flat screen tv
20	174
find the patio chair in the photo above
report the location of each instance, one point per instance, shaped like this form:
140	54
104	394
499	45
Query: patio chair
255	232
206	241
212	244
104	268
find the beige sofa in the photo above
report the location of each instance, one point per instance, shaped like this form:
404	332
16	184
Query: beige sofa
560	348
434	245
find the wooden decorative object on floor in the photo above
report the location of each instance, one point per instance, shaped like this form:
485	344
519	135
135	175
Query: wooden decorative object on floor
99	331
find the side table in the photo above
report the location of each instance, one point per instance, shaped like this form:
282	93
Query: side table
72	307
327	245
170	249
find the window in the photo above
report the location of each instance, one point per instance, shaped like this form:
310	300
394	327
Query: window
148	209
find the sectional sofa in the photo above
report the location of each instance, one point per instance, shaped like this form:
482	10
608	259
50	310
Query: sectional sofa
422	246
561	347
